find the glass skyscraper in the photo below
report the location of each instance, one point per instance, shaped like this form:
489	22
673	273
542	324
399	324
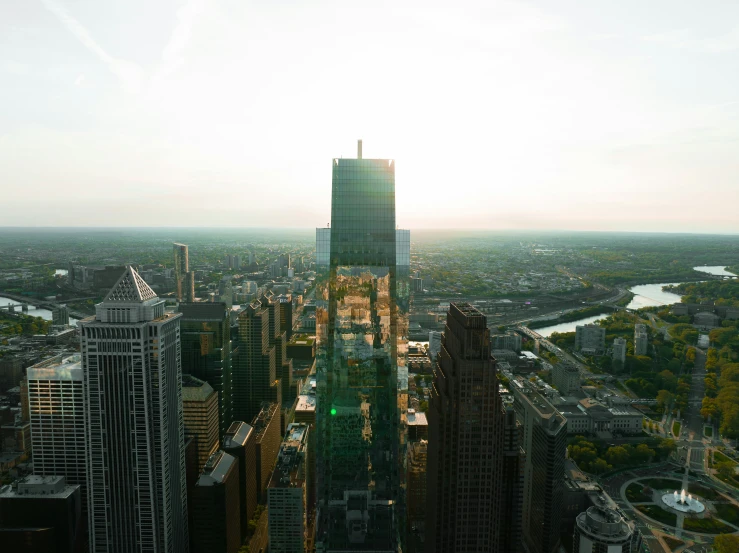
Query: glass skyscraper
361	330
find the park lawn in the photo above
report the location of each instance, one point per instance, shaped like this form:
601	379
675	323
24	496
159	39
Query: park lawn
729	481
719	457
676	428
728	512
708	431
662	483
635	494
706	525
658	514
705	493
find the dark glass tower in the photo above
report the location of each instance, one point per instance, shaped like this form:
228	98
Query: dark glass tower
205	332
361	334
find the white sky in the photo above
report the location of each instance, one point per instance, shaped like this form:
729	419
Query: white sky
565	114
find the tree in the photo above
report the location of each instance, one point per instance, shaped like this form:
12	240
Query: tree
726	543
600	466
617	455
664	398
642	454
667	446
423	406
725	469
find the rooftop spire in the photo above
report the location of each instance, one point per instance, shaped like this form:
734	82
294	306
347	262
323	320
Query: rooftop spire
130	288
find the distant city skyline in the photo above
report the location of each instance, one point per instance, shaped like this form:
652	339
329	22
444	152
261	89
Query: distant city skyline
500	115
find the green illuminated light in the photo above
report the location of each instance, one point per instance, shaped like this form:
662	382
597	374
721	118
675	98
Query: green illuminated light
333	411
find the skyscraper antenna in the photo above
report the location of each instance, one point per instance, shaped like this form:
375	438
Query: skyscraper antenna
359	149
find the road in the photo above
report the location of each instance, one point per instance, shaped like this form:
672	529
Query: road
693	419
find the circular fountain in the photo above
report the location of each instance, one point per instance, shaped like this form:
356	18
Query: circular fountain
683	503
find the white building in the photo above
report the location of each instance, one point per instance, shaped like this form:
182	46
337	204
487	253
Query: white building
640	339
56	410
287	494
590	338
509	340
603	530
619	350
434	344
134	430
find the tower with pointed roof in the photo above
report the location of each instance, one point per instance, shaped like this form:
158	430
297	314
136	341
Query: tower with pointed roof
134	431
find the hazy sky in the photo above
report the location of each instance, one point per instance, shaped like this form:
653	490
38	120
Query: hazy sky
565	114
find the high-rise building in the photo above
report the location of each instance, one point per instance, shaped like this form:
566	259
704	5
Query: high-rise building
205	332
56	411
181	268
566	378
509	340
278	342
287	494
133	422
641	340
240	442
60	315
237	262
216	514
602	530
434	344
514	459
200	415
402	247
190	286
545	444
268	437
619	350
255	375
41	514
590	338
360	408
466	424
286	314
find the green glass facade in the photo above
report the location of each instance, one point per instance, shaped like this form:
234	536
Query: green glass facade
361	375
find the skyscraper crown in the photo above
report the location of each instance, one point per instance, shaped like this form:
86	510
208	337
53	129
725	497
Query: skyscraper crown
130	288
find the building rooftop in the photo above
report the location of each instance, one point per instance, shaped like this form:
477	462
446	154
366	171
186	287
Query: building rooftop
237	434
216	469
290	470
417	418
39	486
194	389
59	367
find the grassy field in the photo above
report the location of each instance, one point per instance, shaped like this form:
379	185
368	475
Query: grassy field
661	483
634	493
705	493
727	512
719	457
706	525
658	514
676	428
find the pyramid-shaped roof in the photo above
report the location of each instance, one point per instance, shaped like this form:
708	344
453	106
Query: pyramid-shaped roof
130	288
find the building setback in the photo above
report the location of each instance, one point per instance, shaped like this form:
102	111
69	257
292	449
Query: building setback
200	415
268	437
216	513
603	530
466	431
134	427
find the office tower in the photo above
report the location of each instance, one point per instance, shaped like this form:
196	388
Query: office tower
191	477
361	330
590	338
287	493
641	341
41	514
465	439
514	458
509	340
600	529
11	372
240	442
619	350
205	332
418	426
283	365
254	376
60	315
200	415
133	422
545	444
267	438
285	302
56	411
434	344
416	485
566	378
237	262
181	268
216	513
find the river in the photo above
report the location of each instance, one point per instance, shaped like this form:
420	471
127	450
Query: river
717	270
33	311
